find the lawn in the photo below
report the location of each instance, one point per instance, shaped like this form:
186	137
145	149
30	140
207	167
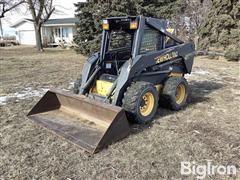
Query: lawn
207	129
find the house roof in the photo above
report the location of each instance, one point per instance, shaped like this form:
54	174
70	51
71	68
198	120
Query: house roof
21	22
61	21
50	22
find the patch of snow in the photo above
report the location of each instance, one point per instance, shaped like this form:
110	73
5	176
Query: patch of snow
24	94
196	131
71	85
66	89
3	100
28	92
199	71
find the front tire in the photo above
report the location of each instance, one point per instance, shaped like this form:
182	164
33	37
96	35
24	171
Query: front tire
141	102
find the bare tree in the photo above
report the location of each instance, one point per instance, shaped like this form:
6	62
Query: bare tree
196	10
6	6
41	11
189	21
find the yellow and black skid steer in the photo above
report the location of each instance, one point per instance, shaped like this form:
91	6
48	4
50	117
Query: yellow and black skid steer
141	64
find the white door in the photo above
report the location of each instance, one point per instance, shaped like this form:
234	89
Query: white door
27	37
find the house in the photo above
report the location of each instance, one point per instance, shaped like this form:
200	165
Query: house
54	31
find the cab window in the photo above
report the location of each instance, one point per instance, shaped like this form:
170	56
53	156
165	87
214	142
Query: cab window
151	41
169	42
120	39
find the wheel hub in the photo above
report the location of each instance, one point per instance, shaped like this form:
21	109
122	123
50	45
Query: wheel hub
147	104
180	93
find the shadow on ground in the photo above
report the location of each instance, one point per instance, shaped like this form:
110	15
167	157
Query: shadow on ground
199	91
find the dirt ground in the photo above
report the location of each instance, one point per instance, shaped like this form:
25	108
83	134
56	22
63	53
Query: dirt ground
208	129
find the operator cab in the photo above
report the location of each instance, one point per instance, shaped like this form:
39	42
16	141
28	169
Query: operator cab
124	38
118	37
120	41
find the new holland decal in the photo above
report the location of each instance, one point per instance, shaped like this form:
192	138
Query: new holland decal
166	57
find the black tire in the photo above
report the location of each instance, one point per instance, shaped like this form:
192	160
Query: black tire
170	97
133	101
77	84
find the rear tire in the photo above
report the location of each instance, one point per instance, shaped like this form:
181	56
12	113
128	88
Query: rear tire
175	93
141	102
77	84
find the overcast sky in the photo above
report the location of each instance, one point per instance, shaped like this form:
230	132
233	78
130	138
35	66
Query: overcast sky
66	8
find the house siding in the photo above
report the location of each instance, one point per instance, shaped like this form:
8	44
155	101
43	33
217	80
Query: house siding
26	33
49	34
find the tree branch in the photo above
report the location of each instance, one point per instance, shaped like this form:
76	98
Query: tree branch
4	11
49	14
32	9
40	11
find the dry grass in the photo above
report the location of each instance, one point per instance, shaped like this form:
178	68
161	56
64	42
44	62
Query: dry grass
208	129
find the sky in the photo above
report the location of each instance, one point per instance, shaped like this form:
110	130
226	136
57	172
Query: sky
65	9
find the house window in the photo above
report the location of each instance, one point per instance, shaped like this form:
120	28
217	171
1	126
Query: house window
62	32
57	32
65	32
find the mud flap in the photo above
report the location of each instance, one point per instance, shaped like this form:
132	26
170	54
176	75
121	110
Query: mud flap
89	124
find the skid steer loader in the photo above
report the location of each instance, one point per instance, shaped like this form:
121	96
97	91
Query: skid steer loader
141	64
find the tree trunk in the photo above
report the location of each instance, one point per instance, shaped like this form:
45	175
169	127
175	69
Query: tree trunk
38	35
1	29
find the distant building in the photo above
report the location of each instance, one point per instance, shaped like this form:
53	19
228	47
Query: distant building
54	31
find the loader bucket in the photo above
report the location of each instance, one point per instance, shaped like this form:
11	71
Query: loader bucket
89	124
